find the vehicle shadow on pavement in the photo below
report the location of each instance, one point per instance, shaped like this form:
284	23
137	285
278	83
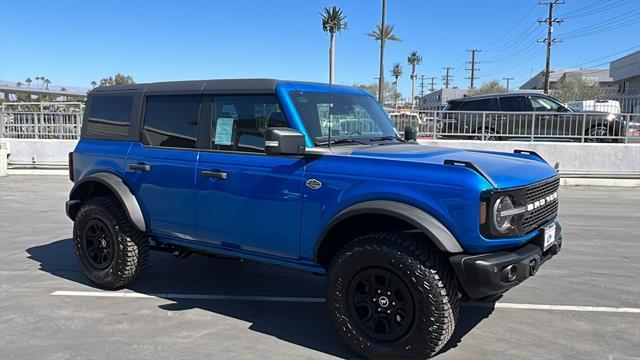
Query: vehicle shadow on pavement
305	324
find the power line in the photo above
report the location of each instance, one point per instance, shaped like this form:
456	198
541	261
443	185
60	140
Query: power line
514	27
599	9
549	41
606	56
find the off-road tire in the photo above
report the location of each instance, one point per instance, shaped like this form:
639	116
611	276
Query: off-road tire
130	250
426	273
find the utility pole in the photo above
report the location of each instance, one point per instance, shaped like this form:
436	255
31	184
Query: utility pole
432	87
381	80
473	66
447	78
550	21
508	79
422	85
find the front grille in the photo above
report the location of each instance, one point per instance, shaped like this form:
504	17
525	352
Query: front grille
540	190
541	215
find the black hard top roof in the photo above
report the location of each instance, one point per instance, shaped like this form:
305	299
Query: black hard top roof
239	86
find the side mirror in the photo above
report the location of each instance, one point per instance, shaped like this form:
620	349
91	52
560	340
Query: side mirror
410	133
283	141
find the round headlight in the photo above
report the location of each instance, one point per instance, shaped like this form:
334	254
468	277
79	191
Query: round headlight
502	223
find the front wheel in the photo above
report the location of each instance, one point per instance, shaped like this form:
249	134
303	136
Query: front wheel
110	250
392	295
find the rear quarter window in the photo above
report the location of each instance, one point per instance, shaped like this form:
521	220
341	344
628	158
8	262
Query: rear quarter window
109	117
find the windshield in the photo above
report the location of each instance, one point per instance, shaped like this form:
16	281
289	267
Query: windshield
354	118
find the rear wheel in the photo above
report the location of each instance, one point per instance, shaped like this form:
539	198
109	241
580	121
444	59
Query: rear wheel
110	250
392	295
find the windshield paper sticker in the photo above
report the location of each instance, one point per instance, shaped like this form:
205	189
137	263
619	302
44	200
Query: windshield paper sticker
224	131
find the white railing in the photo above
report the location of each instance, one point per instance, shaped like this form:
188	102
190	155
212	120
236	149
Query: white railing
63	121
530	126
41	120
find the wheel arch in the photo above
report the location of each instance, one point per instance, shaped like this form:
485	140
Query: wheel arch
105	183
377	215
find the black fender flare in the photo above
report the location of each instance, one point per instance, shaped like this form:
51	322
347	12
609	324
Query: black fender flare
426	223
118	188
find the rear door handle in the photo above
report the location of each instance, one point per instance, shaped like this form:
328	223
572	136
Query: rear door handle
214	174
140	166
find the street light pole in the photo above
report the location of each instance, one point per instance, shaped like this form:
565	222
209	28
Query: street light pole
382	39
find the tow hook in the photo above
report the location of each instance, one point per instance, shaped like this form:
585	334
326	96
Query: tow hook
533	267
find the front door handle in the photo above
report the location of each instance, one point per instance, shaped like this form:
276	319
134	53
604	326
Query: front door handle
140	166
214	174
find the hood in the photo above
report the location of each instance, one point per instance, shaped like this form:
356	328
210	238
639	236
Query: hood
506	170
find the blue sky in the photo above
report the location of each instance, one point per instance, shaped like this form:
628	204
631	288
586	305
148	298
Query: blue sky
74	42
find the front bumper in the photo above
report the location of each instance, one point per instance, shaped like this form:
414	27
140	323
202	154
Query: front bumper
483	275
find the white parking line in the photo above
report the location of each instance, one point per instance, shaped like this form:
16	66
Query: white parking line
604	309
187	296
499	305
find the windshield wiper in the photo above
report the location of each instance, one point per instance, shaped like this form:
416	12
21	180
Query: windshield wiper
387	137
340	141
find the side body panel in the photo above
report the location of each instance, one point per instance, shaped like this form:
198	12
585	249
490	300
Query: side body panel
166	191
257	208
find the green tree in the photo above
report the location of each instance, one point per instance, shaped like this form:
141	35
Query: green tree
396	72
118	79
414	59
333	20
93	84
18	84
63	89
488	87
28	81
38	81
46	83
379	34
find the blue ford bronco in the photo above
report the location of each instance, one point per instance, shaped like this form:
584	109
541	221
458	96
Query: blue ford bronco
312	177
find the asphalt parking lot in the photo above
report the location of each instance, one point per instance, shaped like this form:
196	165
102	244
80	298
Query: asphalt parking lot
202	307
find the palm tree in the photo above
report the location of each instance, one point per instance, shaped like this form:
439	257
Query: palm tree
382	33
93	84
396	72
63	89
414	59
46	83
38	81
333	20
28	81
18	84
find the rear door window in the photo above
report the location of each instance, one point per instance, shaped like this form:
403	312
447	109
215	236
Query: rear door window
109	117
515	103
171	121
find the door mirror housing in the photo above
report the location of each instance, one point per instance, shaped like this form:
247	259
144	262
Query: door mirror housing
283	141
410	133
